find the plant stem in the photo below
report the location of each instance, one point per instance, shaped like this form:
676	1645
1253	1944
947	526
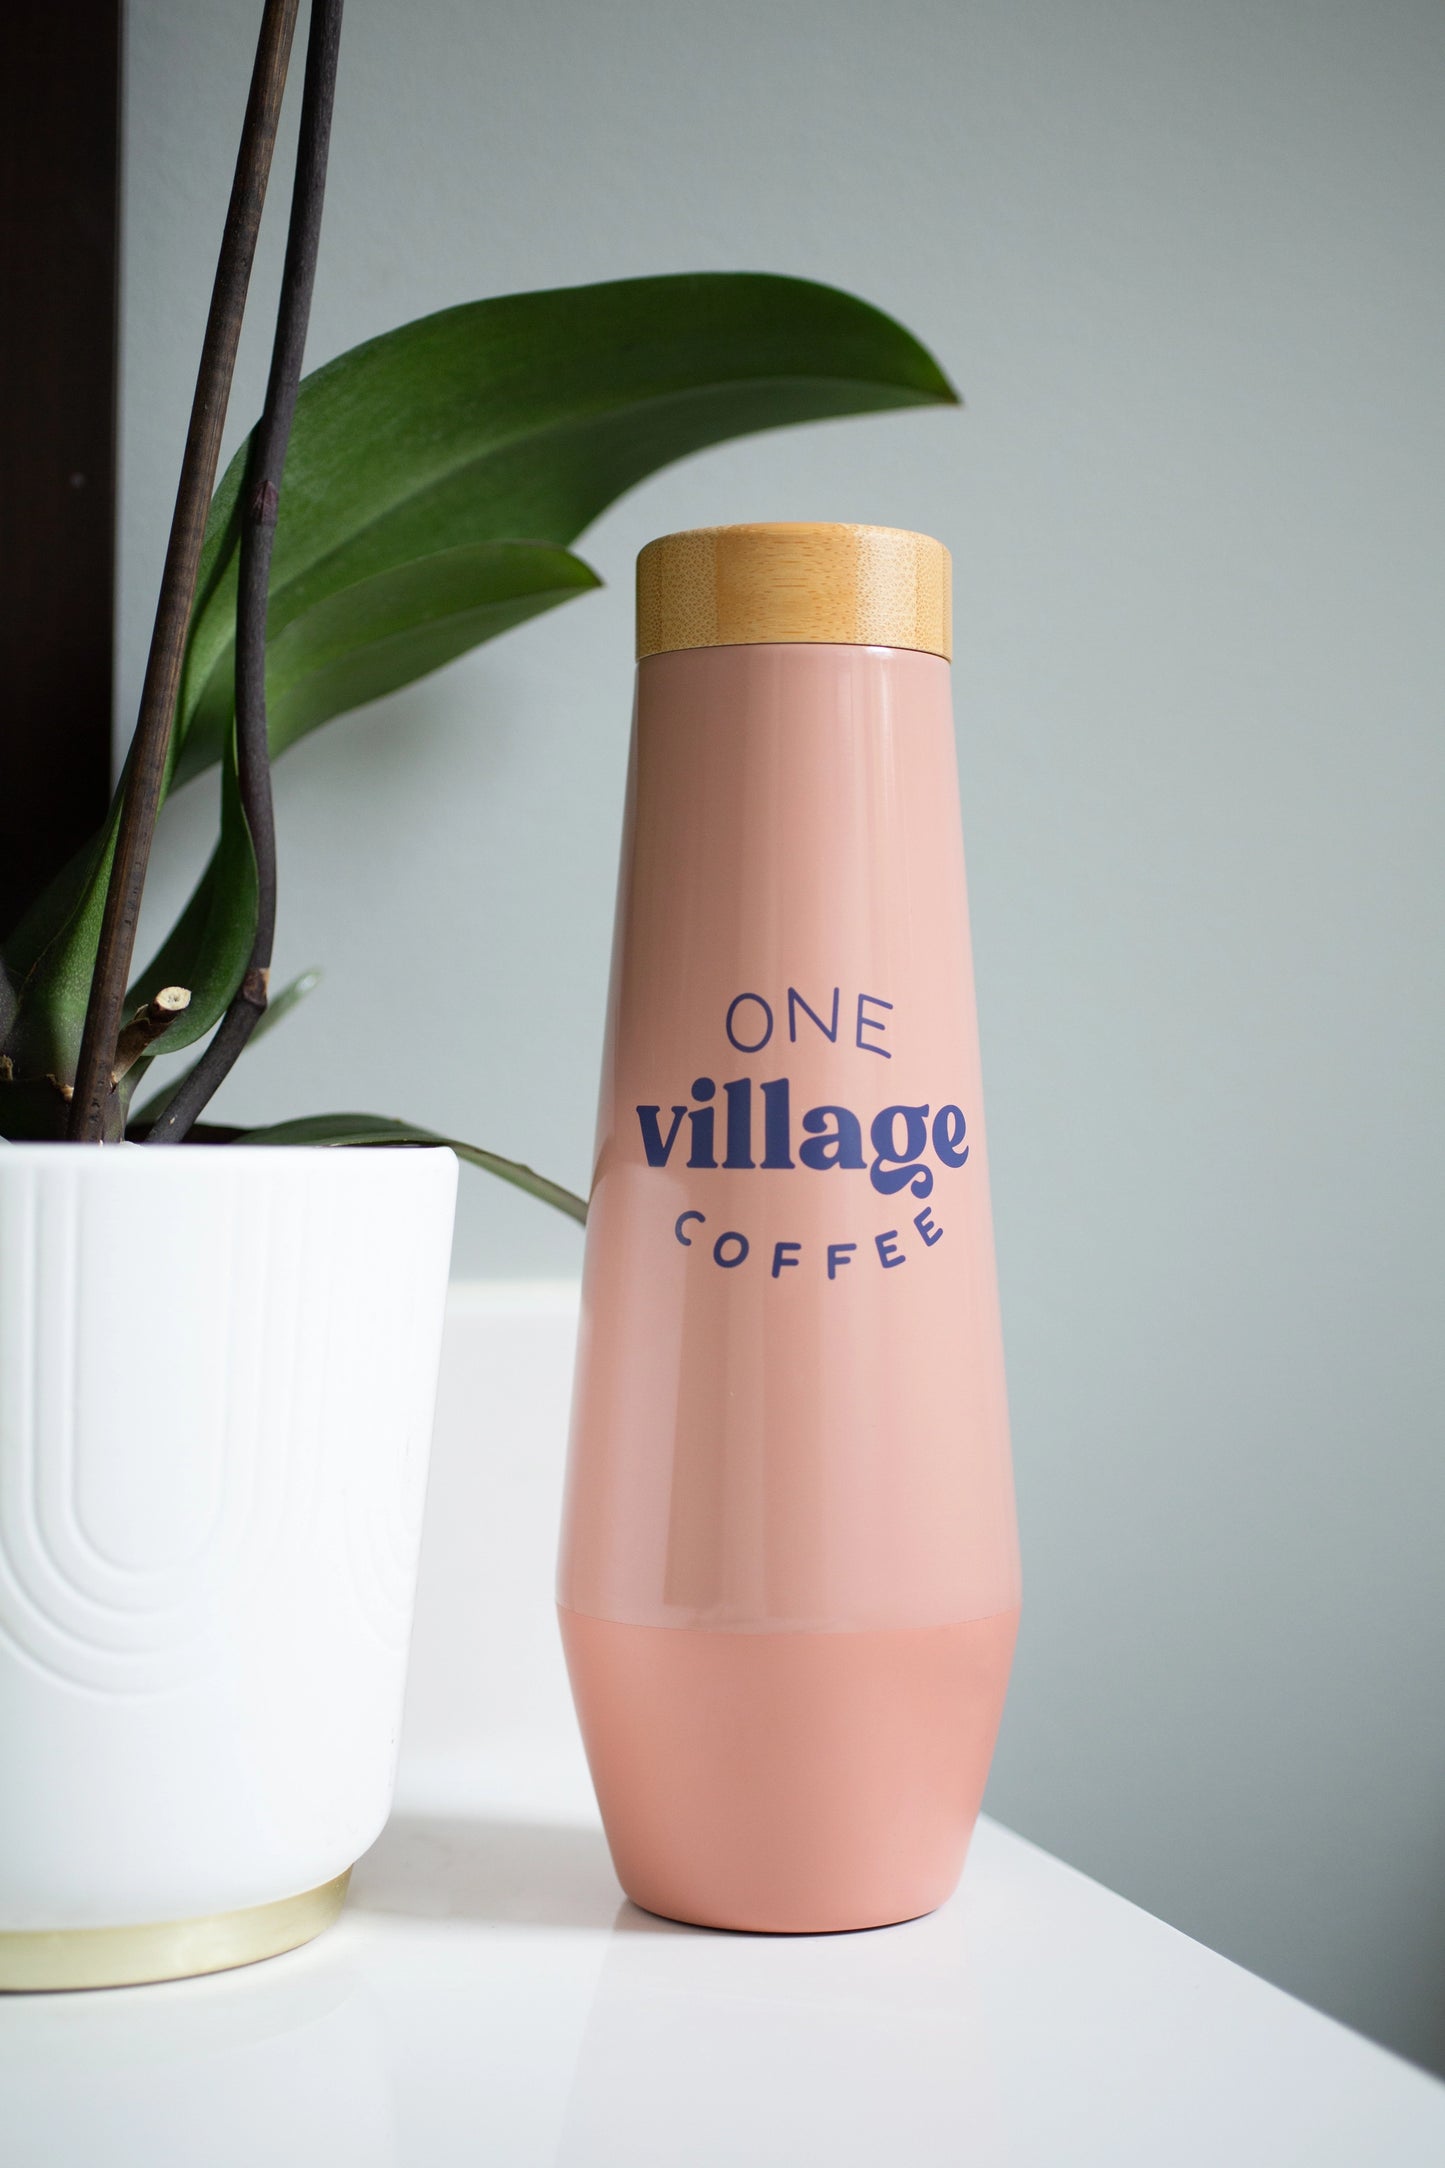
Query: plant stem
147	1025
264	470
93	1109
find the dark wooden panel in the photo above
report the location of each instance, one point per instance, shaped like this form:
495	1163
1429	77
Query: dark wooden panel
60	66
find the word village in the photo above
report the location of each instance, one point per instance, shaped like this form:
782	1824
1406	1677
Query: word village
746	1126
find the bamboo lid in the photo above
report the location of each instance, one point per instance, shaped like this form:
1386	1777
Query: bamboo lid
795	581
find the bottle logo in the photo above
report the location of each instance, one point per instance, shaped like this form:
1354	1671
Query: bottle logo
749	1125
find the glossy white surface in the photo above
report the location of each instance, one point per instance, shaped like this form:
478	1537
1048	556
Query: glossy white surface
489	1997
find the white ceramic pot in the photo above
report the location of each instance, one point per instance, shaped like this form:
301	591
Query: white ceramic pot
217	1373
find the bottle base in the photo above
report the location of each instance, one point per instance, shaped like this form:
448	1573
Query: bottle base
788	1783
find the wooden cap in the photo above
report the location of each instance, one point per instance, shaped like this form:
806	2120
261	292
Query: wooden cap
747	586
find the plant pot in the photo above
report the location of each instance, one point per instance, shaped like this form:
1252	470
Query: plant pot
217	1375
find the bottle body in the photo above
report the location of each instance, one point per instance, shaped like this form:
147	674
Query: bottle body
789	1578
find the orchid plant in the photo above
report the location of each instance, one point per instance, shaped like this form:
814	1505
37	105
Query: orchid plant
413	498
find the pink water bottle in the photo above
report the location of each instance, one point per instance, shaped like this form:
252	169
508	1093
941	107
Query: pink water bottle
789	1575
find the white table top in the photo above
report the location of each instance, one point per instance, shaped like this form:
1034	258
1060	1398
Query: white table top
488	1996
488	2000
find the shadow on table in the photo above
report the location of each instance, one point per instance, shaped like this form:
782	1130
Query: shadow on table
520	1874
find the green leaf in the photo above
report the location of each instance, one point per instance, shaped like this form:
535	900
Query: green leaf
379	1129
367	639
207	951
50	958
350	648
279	1006
435	476
524	418
210	945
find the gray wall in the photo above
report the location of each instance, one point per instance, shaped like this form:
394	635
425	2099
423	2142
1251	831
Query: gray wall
1188	263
